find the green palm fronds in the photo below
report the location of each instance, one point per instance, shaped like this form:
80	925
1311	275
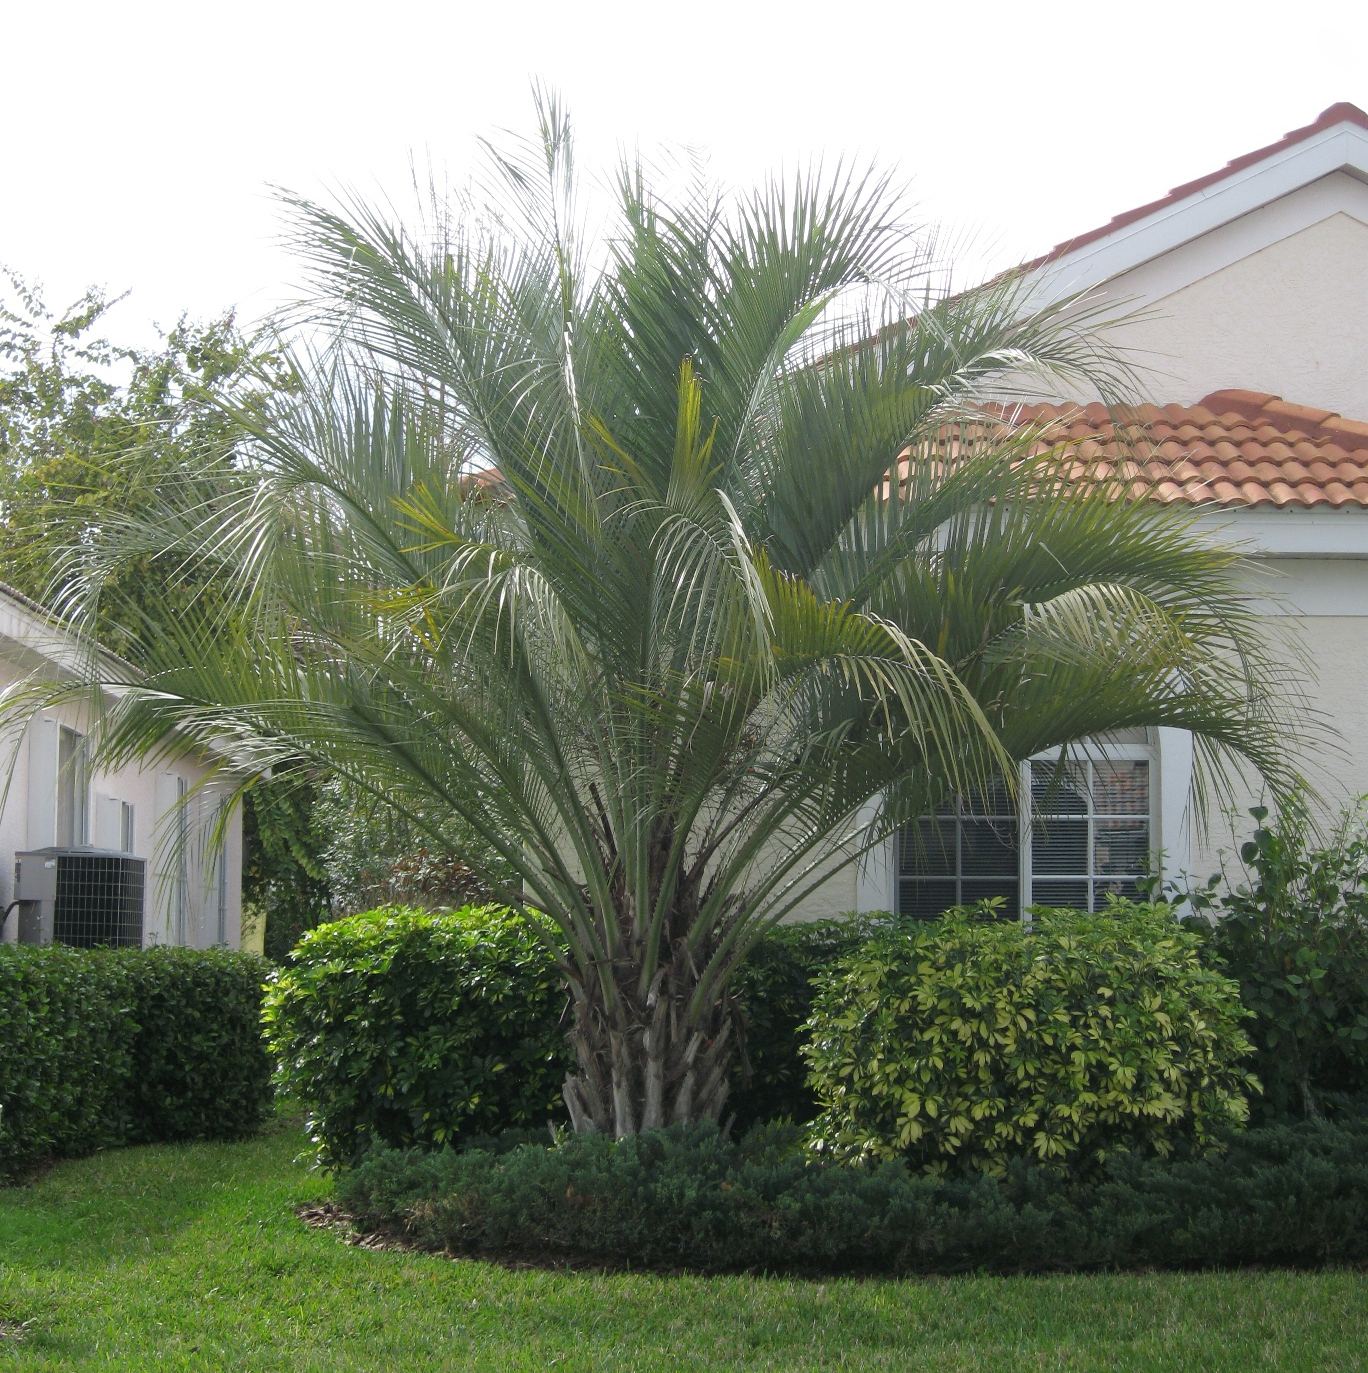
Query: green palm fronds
600	547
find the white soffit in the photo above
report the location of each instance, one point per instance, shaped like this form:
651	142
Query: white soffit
1342	148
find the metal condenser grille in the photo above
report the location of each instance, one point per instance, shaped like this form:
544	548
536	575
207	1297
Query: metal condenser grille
99	901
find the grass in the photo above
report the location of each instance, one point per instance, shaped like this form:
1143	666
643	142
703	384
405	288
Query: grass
191	1258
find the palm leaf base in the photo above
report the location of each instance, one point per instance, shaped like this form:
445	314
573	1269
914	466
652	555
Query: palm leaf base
644	1061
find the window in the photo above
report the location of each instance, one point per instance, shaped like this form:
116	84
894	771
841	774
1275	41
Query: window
1090	831
219	814
967	853
1088	835
73	786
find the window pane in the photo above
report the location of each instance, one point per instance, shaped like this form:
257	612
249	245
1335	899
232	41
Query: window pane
1121	788
977	889
72	786
928	848
1121	846
1070	894
993	802
1059	846
1059	788
988	846
925	900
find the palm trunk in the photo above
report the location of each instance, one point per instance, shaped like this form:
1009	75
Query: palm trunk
642	1064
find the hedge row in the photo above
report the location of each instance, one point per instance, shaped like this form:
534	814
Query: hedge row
956	1041
774	991
424	1028
687	1198
104	1047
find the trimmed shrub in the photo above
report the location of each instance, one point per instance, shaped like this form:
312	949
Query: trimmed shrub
438	1046
774	989
1294	935
200	1065
67	1028
105	1047
689	1198
418	1028
972	1042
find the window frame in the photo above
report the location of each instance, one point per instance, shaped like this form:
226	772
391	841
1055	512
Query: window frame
957	816
1143	749
71	806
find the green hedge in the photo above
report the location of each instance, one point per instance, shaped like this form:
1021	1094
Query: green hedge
774	989
419	1028
200	1065
106	1047
969	1042
687	1198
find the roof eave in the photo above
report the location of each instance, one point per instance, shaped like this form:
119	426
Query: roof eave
1199	207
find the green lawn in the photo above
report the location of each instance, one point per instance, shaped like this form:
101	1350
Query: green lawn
170	1258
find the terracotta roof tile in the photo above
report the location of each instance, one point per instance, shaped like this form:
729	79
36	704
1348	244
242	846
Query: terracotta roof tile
1351	429
1232	447
1297	412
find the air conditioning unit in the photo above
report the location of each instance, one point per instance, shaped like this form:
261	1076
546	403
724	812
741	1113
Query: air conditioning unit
86	897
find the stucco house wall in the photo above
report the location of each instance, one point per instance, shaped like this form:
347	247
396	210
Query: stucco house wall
1274	301
1317	619
205	909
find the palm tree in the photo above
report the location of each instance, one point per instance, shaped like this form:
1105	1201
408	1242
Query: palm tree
596	545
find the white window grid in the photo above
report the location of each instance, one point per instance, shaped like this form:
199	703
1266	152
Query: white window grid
1089	882
1090	821
982	825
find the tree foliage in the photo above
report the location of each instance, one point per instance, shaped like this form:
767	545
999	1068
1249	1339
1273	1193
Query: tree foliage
92	431
285	881
587	545
375	857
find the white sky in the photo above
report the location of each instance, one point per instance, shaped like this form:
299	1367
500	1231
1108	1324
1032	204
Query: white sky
141	138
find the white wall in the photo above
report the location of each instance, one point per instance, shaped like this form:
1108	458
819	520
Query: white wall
1317	612
1290	320
1273	301
144	787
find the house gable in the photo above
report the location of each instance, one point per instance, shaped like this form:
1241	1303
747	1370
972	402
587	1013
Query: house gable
1255	277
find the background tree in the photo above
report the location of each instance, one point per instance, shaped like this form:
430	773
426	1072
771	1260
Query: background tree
375	857
602	550
91	431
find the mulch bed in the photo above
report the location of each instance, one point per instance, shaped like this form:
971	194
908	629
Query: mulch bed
333	1218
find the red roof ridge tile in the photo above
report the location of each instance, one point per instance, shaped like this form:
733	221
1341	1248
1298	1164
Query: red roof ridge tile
1299	412
1337	424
